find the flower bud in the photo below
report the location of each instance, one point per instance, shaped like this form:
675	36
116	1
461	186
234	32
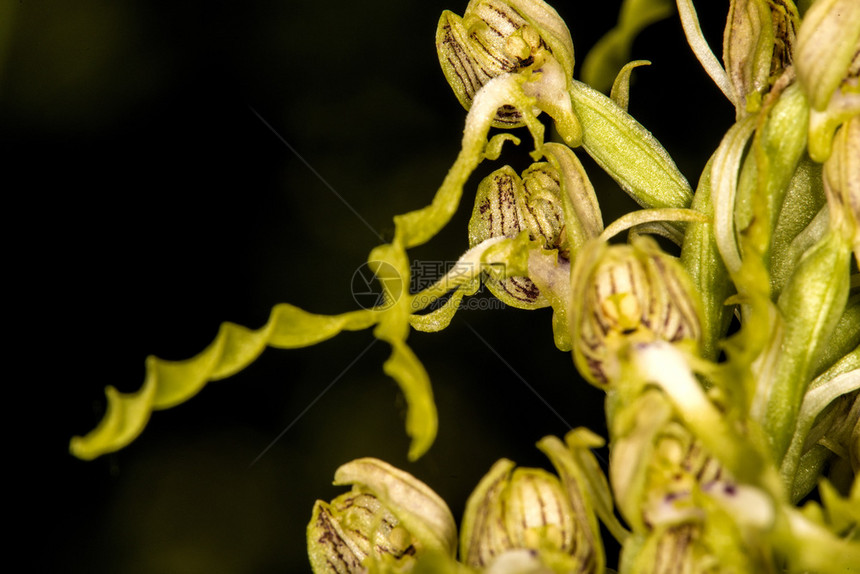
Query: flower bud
496	37
389	516
524	508
507	205
827	43
758	45
628	292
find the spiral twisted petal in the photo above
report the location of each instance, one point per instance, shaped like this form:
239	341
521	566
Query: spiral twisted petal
169	383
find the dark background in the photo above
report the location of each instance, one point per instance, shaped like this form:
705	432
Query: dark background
147	203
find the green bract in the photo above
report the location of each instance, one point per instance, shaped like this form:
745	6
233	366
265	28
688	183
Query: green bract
628	152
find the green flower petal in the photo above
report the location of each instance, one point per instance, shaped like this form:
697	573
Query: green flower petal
169	383
421	419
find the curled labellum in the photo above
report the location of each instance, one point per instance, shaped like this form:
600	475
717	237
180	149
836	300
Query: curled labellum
628	292
507	205
495	37
523	508
758	45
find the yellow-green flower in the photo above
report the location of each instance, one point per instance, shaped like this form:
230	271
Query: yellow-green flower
628	293
516	508
507	205
496	37
355	525
529	520
513	509
386	522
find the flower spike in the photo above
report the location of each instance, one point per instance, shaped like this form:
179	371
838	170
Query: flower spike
628	293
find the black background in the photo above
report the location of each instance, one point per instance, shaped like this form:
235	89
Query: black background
147	203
